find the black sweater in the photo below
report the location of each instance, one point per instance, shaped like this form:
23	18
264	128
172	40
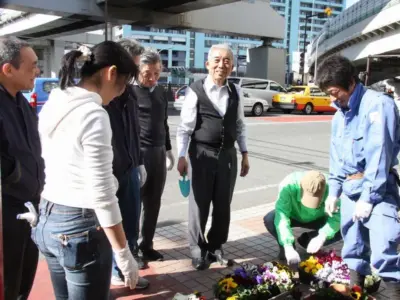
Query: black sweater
124	121
153	117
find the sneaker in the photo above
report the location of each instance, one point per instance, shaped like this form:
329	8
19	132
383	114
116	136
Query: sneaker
142	284
117	281
152	255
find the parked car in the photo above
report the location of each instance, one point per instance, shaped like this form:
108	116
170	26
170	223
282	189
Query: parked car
307	99
179	97
257	93
38	96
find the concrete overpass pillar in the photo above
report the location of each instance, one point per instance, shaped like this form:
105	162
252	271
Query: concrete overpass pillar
56	54
267	63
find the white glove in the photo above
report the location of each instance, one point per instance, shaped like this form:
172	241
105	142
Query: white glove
170	160
128	266
31	216
362	211
331	205
142	175
316	243
292	256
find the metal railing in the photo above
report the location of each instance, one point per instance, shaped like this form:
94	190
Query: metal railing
351	16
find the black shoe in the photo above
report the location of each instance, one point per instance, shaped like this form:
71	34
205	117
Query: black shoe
200	263
152	255
218	256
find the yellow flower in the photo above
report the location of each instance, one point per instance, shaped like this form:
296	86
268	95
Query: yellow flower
307	269
314	271
234	285
319	266
356	295
302	264
232	298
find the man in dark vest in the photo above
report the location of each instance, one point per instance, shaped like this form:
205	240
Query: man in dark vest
212	118
155	145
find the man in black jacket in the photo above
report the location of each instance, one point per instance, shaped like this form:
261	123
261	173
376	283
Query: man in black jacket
22	167
155	144
128	164
212	119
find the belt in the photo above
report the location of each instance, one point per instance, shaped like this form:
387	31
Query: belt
360	175
357	175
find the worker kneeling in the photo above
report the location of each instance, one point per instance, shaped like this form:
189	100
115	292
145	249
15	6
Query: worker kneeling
301	203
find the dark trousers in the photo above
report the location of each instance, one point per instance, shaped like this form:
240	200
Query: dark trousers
305	238
128	195
151	192
213	177
20	254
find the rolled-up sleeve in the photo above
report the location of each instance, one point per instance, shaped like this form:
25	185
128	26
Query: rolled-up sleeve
188	122
98	157
240	123
381	134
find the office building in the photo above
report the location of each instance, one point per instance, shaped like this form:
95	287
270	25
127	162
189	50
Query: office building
295	12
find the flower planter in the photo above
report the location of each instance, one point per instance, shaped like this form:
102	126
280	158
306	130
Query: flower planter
373	288
256	282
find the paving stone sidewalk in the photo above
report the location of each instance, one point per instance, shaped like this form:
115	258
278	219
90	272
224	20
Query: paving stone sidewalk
248	242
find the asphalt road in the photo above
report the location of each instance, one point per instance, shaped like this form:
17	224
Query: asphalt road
278	144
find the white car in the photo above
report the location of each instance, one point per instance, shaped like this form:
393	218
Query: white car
179	97
257	93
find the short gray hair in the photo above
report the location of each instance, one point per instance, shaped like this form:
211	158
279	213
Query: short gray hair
150	56
220	46
133	47
10	51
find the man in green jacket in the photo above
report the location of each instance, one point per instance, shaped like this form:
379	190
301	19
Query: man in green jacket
301	203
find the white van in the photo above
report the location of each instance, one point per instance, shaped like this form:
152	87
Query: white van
257	93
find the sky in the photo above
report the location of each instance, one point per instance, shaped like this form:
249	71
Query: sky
351	2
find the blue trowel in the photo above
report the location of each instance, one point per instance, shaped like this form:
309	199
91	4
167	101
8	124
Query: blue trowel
184	185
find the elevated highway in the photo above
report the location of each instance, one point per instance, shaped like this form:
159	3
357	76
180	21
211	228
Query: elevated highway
66	17
368	28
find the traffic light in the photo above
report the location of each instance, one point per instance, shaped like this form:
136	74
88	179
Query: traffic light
302	63
328	11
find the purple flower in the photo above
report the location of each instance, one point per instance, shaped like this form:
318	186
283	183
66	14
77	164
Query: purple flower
259	279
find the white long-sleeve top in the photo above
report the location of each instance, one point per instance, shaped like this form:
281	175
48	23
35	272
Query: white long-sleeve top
76	134
219	97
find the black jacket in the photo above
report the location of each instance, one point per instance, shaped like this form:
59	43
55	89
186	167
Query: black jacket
22	166
124	121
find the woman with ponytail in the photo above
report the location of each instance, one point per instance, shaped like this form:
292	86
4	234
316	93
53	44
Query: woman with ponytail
80	222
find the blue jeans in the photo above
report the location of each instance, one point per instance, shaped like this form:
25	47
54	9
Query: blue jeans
128	195
76	249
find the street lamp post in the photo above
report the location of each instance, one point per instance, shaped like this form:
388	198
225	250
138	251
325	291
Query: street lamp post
316	56
327	12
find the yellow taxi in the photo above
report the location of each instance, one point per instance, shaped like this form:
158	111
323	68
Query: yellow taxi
307	99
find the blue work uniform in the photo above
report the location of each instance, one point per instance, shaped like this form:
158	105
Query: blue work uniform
364	148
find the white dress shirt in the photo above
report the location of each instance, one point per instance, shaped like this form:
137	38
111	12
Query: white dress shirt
219	97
